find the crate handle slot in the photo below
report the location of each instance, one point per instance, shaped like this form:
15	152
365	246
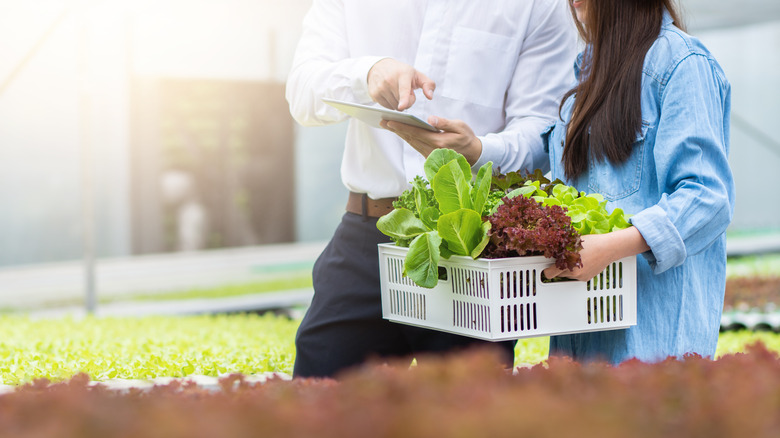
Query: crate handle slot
443	276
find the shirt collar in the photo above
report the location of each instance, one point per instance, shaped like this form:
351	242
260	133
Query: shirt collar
667	20
580	60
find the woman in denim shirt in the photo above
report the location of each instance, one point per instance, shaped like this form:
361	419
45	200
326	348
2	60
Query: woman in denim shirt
647	126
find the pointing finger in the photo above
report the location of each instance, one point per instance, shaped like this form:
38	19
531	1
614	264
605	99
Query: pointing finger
405	91
427	84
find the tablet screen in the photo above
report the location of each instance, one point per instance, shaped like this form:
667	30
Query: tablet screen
373	115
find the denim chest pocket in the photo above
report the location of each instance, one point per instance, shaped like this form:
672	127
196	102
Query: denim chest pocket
616	182
479	67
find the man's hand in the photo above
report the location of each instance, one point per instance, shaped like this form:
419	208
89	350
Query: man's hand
392	83
453	134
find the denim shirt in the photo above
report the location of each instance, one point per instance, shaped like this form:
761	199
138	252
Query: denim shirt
678	186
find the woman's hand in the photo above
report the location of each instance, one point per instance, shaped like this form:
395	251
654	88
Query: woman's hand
599	250
596	255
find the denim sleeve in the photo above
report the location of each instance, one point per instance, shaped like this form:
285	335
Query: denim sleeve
692	169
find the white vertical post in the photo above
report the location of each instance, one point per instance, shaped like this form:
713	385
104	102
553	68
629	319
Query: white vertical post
87	165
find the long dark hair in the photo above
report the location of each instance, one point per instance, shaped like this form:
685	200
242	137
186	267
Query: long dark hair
607	115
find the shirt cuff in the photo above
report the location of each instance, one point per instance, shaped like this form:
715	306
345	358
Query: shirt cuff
667	248
360	71
492	150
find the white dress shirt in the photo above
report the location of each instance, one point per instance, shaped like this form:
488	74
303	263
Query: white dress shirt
501	66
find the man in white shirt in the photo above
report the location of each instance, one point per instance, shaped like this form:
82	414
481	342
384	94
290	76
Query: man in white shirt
489	75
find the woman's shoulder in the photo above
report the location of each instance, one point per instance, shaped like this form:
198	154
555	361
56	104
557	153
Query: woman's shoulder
670	49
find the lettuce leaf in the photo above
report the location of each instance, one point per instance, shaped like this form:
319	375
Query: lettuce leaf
441	157
401	225
463	231
481	190
452	188
422	261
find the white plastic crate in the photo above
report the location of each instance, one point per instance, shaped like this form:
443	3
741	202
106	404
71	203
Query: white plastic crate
500	299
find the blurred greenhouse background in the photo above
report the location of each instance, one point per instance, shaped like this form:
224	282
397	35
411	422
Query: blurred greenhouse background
131	130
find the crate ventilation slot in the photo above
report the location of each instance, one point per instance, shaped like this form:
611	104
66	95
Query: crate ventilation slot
469	282
514	284
608	308
395	272
471	316
408	304
518	317
610	278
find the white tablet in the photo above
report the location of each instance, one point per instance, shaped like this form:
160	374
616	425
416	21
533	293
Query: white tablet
372	115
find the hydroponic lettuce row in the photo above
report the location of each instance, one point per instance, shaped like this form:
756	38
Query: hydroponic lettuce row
144	348
464	395
752	294
449	213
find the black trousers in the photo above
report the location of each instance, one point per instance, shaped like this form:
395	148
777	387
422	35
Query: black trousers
344	327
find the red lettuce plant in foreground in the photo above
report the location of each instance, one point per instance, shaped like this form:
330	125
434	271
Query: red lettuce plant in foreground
464	394
522	226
